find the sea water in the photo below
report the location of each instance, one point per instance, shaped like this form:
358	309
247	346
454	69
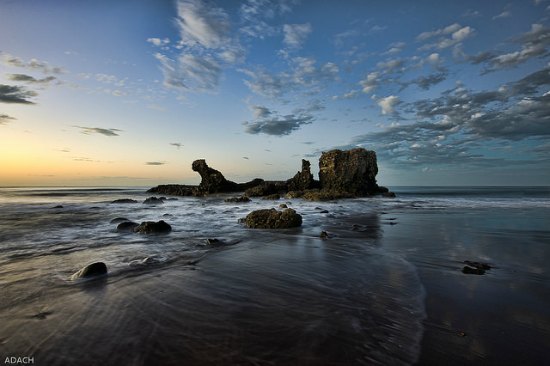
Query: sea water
385	287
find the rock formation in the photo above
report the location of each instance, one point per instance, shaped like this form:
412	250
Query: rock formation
302	180
353	171
342	174
273	219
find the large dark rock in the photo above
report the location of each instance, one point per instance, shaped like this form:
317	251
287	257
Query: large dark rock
91	270
302	180
240	199
151	227
273	219
213	181
352	171
174	189
127	226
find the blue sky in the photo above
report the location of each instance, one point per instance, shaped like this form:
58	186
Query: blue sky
131	92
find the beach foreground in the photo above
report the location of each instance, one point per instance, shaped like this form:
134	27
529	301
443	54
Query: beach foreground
385	287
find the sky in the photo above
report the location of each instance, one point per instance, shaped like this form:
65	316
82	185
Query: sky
129	93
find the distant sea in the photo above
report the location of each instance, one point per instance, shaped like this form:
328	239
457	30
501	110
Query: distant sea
385	288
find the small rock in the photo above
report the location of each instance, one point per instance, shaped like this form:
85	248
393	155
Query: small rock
388	194
118	220
470	270
127	226
324	235
478	265
283	205
167	215
153	201
241	199
58	206
151	227
124	200
91	270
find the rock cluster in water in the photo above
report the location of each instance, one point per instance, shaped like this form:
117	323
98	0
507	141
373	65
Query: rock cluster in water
91	270
342	174
273	219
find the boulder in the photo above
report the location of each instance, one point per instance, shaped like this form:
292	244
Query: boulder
273	219
153	201
127	226
240	199
174	189
151	227
274	196
302	180
91	270
352	172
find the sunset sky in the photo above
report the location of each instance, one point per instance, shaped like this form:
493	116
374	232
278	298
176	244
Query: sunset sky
103	93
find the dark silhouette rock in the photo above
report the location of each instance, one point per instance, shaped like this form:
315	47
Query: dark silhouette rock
351	172
212	181
125	200
388	194
274	196
479	265
174	189
119	220
325	195
91	270
324	235
265	189
58	206
153	201
240	199
283	205
273	219
302	180
127	226
471	270
151	227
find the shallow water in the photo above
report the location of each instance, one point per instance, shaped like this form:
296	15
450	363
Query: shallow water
385	288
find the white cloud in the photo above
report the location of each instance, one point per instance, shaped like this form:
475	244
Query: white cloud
206	25
370	82
190	72
33	64
388	104
446	37
296	34
504	14
158	42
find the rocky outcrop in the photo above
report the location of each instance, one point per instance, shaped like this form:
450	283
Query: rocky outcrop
91	270
302	180
240	199
214	182
353	171
151	227
273	219
342	174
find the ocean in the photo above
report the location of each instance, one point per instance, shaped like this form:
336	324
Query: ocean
385	288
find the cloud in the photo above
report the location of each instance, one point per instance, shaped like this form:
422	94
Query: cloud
15	94
202	24
102	131
463	127
177	144
158	42
5	119
370	82
296	34
29	79
395	48
388	104
426	82
445	37
304	75
190	72
255	15
272	123
206	45
155	163
533	44
504	14
33	64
